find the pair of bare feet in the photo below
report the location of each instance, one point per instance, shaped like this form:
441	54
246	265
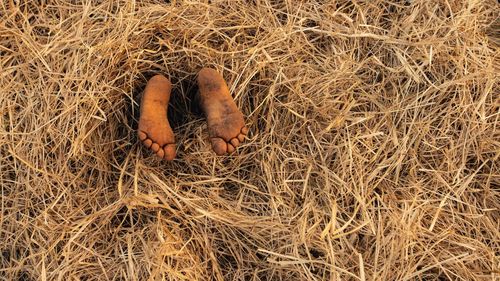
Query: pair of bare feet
226	125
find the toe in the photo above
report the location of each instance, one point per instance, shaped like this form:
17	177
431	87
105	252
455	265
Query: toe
169	151
142	135
230	148
148	143
160	153
241	137
235	142
219	146
244	130
155	147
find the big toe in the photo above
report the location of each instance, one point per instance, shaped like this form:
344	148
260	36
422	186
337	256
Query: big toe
219	146
169	150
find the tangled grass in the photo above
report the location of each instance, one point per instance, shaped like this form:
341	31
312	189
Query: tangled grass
373	153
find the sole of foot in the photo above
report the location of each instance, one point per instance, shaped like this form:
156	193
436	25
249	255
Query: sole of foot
154	129
226	125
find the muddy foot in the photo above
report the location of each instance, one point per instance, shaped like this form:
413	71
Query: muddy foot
154	130
226	125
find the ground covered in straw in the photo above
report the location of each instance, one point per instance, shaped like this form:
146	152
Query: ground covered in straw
373	152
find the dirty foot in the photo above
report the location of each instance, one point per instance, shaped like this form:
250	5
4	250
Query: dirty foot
154	130
226	125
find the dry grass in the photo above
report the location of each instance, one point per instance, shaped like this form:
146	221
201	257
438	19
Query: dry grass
374	148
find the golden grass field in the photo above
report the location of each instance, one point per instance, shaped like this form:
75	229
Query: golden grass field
373	151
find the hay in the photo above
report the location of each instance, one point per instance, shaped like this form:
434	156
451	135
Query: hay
373	154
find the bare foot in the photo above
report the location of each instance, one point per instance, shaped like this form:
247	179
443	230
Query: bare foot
154	130
226	125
